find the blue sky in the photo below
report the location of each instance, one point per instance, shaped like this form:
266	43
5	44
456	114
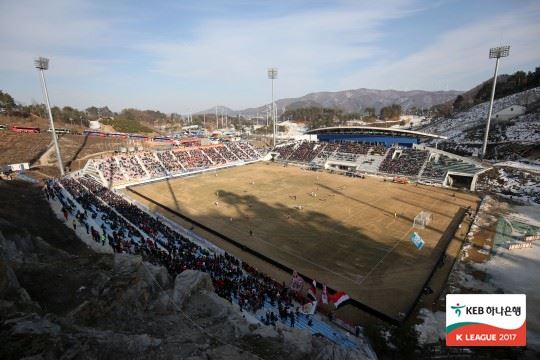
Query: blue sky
177	56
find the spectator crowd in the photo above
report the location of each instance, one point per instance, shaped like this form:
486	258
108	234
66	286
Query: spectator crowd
129	229
404	162
152	164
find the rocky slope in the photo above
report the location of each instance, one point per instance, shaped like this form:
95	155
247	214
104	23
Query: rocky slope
58	299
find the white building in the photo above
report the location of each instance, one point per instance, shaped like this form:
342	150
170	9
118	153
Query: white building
510	112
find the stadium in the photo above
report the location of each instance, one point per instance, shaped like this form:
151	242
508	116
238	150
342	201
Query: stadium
338	210
350	226
269	180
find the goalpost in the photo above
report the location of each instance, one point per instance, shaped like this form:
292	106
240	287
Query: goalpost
422	219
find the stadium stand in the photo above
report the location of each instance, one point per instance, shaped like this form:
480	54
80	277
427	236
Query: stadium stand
111	170
215	156
420	162
225	153
110	220
146	165
406	162
198	159
438	166
306	152
285	151
131	167
171	162
247	149
152	164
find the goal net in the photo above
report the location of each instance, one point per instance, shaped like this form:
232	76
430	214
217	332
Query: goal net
422	219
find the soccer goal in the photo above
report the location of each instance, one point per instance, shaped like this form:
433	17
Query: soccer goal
422	219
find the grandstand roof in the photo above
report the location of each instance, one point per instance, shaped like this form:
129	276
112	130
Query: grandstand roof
373	130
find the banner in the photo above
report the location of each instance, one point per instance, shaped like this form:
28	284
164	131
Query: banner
486	320
309	308
324	295
417	240
312	292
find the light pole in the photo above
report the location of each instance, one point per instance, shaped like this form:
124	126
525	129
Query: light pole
497	53
42	64
272	75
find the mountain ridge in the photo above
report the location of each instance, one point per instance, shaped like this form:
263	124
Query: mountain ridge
355	100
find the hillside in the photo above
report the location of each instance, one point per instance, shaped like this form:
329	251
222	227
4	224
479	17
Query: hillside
509	140
506	85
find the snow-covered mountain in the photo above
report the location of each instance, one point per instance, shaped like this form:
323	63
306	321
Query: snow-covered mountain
356	100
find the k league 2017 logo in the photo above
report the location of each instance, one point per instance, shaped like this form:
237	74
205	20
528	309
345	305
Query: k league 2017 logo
486	320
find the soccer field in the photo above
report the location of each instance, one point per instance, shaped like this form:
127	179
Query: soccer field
349	233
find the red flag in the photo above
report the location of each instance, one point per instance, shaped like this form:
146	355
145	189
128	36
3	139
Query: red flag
339	298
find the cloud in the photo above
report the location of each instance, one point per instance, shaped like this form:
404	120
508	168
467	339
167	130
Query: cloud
195	54
67	31
459	58
306	46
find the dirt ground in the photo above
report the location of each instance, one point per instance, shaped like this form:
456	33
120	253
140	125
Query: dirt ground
19	148
352	234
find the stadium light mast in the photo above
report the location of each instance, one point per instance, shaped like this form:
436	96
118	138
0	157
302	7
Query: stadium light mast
494	53
42	64
272	75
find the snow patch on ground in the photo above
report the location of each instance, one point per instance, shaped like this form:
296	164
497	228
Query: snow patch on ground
467	281
516	272
527	214
519	165
507	271
514	184
433	326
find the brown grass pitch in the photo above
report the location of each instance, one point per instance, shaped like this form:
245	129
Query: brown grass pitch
352	234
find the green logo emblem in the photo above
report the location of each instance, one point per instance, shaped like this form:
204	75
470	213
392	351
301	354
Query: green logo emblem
457	309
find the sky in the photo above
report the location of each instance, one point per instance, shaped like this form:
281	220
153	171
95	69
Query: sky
182	56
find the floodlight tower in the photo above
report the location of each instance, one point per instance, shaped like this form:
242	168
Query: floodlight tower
272	75
42	64
494	53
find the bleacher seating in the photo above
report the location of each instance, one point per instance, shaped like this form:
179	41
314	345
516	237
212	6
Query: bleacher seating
151	163
214	155
111	171
306	152
406	162
354	148
247	149
130	167
225	153
376	158
285	151
171	163
436	169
